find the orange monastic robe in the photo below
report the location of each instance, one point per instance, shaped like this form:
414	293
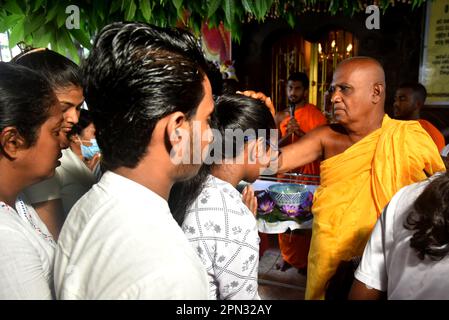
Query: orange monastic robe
308	117
434	133
355	187
295	247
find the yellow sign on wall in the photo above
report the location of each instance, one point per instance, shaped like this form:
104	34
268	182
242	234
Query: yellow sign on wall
434	72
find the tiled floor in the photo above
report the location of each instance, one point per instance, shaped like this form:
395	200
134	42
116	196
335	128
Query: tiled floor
279	285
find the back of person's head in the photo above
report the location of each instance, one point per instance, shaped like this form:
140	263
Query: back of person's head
429	220
85	119
301	77
230	86
60	71
25	101
232	112
135	75
419	91
238	112
216	81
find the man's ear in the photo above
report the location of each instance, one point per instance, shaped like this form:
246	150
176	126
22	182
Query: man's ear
419	104
378	92
177	127
11	142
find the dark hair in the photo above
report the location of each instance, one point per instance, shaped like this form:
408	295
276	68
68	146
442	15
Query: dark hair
25	101
230	86
84	121
238	112
216	81
135	75
339	285
60	71
232	111
429	218
301	77
183	193
419	91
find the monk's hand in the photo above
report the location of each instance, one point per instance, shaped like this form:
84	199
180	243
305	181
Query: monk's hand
293	128
259	96
249	199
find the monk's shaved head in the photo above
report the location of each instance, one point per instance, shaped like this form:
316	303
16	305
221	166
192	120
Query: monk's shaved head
369	66
368	72
358	92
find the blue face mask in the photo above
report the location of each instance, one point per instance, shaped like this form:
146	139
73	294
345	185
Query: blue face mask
89	152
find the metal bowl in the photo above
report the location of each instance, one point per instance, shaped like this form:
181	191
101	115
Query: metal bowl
288	194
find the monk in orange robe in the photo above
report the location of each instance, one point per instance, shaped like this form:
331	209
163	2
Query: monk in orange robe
307	117
294	246
366	158
408	102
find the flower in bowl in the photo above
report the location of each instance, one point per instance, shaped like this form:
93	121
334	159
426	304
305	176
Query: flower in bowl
306	204
290	210
265	204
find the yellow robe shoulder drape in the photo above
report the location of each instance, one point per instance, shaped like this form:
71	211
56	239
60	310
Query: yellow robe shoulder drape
355	187
434	133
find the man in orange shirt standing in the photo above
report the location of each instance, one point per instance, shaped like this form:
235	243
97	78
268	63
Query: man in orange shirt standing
408	101
294	245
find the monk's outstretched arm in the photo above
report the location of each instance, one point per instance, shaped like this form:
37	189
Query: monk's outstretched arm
307	149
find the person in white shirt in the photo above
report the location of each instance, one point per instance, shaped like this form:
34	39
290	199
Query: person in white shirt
76	174
445	151
445	155
149	94
407	254
30	121
219	225
65	79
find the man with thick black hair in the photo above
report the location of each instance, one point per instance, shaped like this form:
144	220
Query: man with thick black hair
149	94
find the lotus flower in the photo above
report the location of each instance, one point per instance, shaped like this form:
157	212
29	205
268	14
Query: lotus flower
306	205
290	210
265	204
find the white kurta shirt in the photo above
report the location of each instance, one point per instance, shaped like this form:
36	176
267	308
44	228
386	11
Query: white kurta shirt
120	241
26	254
71	181
75	179
224	234
390	264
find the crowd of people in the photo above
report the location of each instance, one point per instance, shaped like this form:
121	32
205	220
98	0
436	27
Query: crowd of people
134	196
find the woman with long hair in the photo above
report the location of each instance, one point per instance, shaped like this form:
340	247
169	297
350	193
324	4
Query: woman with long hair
65	78
30	123
214	217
